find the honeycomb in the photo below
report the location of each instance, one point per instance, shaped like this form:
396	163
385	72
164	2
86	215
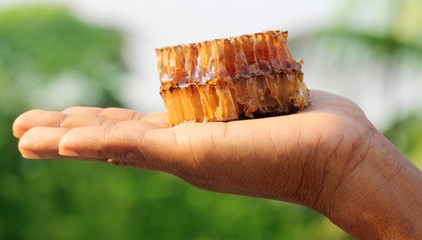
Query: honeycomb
227	79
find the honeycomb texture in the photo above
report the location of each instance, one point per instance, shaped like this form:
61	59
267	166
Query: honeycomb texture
227	79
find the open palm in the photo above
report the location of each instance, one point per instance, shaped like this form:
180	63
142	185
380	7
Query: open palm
328	157
287	157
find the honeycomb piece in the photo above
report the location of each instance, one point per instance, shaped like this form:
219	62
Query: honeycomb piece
227	79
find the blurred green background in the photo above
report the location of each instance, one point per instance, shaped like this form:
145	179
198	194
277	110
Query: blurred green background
50	59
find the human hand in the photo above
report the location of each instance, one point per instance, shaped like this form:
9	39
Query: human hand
269	157
316	158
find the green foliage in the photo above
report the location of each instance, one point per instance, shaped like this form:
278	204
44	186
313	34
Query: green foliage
406	135
396	41
57	41
378	47
73	200
47	55
45	47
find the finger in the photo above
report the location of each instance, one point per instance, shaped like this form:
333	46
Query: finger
321	101
118	145
123	144
72	121
86	111
137	124
41	142
109	113
318	99
159	119
120	114
325	100
34	118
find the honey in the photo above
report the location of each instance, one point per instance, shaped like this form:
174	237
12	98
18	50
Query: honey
226	79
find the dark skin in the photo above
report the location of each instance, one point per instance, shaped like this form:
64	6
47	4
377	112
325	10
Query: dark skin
329	157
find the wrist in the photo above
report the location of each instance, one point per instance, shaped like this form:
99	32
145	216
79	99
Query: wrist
381	198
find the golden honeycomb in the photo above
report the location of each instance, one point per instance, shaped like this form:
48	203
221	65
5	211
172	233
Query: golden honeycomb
226	79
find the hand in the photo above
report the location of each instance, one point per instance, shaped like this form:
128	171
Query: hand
319	157
283	157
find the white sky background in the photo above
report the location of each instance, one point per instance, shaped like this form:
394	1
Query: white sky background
152	24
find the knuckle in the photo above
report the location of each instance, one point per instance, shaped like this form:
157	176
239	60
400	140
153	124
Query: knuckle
139	116
123	146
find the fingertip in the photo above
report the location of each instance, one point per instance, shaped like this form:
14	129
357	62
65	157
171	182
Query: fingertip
24	145
64	151
35	118
17	130
64	142
29	154
158	119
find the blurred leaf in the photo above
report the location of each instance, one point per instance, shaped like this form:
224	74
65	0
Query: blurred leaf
382	38
43	47
379	48
406	135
